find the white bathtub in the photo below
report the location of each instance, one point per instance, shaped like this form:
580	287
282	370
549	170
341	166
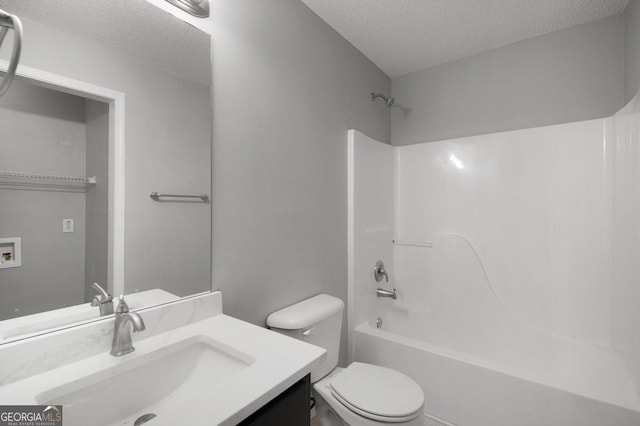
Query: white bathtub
491	386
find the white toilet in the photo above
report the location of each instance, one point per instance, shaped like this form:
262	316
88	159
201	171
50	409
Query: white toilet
361	394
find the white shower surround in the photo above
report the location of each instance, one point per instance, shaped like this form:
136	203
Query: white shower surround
531	279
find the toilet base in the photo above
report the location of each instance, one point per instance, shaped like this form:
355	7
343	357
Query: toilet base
325	415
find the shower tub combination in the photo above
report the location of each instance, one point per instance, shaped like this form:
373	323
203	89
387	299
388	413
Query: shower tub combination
513	259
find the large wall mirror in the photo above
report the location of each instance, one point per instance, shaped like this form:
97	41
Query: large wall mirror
112	103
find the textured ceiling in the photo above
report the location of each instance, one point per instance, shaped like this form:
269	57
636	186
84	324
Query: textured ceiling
403	36
133	27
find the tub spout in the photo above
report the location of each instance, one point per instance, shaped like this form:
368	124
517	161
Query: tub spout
382	292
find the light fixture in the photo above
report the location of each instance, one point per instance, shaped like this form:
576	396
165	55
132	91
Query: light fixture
199	8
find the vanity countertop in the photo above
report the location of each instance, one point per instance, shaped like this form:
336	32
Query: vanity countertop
30	325
273	363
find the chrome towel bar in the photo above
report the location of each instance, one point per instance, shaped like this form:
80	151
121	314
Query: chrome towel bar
156	196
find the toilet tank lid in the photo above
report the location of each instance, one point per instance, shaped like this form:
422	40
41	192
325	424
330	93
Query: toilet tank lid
306	313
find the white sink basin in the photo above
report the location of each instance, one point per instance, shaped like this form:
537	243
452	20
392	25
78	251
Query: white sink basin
157	382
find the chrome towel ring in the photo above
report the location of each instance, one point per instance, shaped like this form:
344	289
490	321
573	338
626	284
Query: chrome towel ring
7	22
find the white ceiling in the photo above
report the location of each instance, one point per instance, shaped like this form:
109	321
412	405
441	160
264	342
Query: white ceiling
403	36
134	27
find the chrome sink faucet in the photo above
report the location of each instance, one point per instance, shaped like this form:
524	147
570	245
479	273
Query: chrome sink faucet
103	300
122	332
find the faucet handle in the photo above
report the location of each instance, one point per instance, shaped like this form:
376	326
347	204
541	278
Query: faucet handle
379	272
122	308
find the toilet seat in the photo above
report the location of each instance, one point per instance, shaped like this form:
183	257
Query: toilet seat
372	416
377	393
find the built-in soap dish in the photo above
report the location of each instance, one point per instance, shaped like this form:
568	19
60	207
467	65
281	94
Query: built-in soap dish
10	252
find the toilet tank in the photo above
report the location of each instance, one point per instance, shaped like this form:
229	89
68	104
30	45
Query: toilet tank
317	321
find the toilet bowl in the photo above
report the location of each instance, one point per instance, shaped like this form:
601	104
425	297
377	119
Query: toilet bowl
360	394
398	401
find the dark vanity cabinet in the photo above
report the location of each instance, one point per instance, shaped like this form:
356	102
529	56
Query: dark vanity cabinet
290	408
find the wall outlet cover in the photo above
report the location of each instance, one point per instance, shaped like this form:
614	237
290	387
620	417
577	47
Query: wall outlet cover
10	252
67	225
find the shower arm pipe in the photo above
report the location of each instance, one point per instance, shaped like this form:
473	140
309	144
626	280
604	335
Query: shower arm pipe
8	21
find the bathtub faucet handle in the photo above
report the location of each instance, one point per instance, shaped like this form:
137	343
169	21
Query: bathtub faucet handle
379	272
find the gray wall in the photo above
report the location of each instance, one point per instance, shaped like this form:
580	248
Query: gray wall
43	132
287	88
569	75
632	49
168	149
97	206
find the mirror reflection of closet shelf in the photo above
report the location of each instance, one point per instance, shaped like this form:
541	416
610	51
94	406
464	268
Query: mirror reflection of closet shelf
18	180
10	252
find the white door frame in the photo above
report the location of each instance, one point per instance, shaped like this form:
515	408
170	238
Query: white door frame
116	101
